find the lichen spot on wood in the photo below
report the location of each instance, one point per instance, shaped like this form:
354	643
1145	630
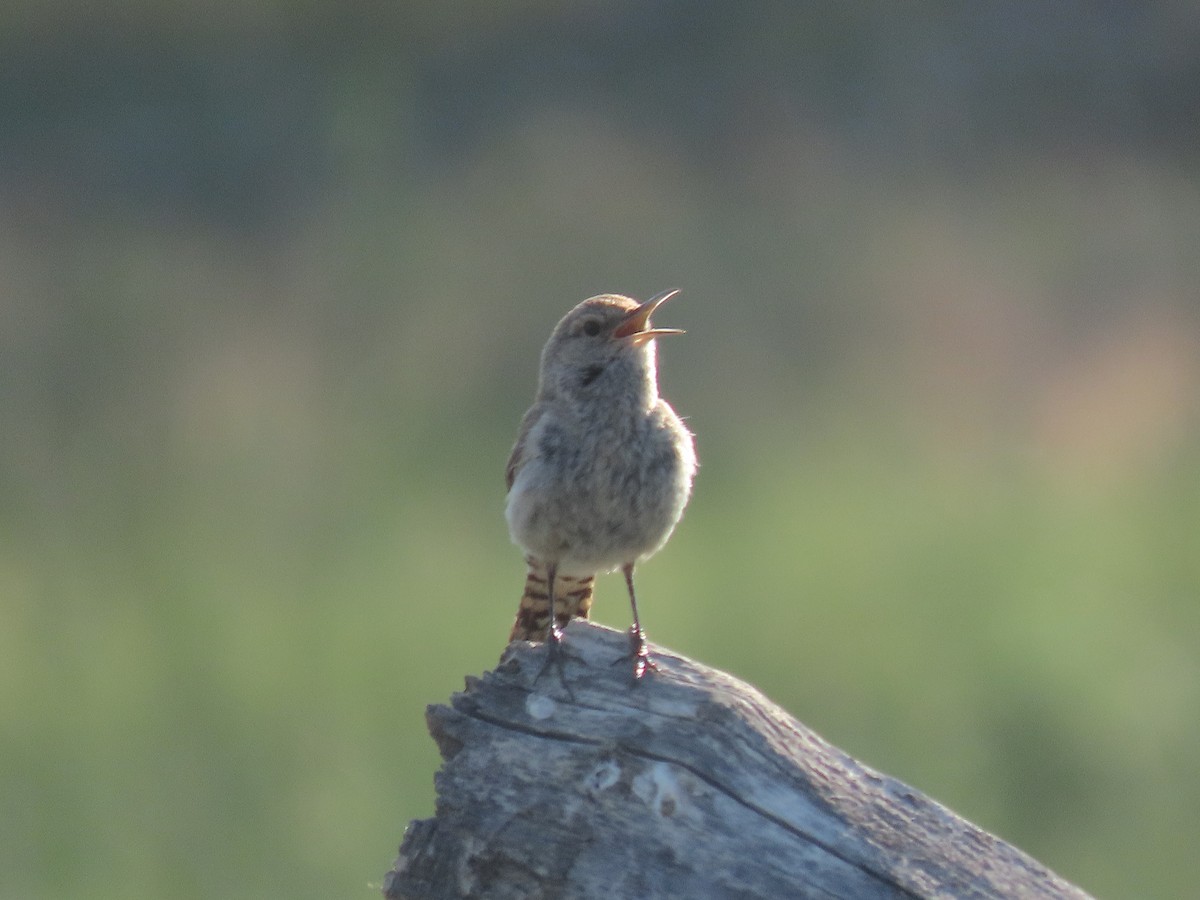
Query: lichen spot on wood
602	777
539	706
659	789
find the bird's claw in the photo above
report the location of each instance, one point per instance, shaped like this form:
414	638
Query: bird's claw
639	652
556	655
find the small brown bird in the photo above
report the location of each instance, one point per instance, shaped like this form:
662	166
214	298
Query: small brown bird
601	470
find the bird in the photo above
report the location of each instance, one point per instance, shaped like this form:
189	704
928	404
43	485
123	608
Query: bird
601	470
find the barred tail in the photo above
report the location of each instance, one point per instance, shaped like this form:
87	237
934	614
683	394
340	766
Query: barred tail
572	597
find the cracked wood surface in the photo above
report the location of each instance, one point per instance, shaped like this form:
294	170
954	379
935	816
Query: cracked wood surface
689	784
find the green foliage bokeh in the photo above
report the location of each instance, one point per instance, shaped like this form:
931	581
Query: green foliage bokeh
273	286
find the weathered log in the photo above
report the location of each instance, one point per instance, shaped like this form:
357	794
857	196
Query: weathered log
688	784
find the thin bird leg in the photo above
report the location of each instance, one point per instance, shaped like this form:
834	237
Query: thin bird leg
554	648
638	650
553	635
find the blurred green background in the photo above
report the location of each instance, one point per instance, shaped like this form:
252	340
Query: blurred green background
273	281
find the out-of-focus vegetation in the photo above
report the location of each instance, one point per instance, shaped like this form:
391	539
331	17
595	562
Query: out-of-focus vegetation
273	281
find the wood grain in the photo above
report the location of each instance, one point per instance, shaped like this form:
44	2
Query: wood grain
689	784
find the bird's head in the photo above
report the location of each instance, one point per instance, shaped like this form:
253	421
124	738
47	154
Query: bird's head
604	345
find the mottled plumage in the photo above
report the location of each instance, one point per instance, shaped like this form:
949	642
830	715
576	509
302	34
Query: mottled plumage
602	467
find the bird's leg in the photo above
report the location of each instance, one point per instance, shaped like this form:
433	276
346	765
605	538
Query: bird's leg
553	632
554	649
638	651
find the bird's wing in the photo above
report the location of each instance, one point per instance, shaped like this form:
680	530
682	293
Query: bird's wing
516	459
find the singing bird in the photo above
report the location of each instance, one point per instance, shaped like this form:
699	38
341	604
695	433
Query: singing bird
601	470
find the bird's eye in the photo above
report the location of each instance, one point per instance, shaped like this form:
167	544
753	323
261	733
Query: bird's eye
591	328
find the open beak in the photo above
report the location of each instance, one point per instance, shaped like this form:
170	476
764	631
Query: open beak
636	323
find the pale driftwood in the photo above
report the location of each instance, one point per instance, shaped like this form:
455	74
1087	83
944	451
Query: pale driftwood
689	784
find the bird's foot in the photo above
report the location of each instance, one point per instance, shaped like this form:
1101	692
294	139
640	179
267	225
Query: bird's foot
639	653
556	655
